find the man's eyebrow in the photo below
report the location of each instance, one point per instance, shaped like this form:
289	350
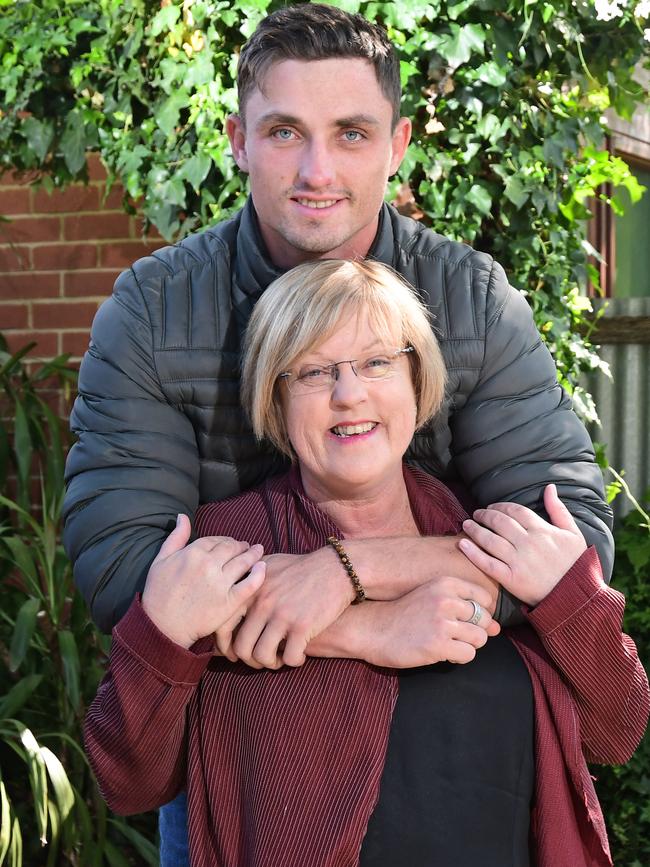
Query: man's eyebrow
358	120
277	117
272	117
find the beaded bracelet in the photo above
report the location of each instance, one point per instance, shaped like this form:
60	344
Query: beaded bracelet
349	568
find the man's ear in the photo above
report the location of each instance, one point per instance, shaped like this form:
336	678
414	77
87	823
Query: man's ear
400	141
237	136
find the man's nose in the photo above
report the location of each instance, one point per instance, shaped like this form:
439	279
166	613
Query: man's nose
317	165
348	389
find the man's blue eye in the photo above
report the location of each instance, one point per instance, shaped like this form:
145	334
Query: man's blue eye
283	134
352	135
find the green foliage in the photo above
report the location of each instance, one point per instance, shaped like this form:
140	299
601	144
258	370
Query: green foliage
624	792
507	100
51	657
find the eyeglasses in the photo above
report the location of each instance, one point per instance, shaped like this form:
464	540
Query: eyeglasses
313	377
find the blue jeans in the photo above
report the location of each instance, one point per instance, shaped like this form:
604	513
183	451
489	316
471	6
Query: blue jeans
172	825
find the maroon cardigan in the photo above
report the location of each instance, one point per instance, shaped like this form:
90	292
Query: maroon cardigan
284	767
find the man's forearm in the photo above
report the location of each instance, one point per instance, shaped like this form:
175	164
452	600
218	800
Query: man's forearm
390	568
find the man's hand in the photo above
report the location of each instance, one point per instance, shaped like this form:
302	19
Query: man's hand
425	626
301	596
192	591
519	549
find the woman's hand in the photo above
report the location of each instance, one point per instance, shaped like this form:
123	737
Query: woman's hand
519	549
192	591
428	625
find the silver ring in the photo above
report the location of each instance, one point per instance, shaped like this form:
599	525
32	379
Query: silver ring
476	616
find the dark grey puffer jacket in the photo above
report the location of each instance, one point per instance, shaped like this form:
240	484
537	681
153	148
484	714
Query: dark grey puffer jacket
160	428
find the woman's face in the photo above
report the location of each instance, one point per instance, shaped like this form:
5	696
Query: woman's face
334	459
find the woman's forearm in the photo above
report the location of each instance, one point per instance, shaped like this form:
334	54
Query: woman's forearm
389	568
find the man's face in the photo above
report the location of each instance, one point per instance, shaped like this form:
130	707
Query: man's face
319	148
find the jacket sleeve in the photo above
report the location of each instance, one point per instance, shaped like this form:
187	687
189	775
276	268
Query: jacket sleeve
135	464
135	729
579	624
517	431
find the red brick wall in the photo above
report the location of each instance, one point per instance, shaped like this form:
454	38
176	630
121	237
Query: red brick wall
59	257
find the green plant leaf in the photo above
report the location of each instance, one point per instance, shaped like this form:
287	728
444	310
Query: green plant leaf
6	816
12	702
73	143
70	661
113	855
22	444
23	632
195	169
480	198
145	848
37	779
39	135
22	557
60	783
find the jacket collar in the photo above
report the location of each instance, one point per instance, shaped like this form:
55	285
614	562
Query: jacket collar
254	270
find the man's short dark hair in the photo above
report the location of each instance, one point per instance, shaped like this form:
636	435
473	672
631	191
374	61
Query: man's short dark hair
314	31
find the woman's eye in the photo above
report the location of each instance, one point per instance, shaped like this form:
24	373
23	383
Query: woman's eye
312	373
377	361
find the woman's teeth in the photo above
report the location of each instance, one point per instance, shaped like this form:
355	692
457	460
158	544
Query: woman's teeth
348	430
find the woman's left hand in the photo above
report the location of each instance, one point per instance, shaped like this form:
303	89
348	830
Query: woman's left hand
526	554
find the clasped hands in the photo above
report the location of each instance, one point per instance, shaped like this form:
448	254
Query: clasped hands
273	612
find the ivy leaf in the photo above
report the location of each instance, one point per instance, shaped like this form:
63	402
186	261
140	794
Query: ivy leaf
195	170
492	73
480	198
73	143
168	114
165	19
515	192
39	135
457	48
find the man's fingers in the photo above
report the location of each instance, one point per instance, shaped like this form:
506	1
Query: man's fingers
557	512
294	651
266	650
177	539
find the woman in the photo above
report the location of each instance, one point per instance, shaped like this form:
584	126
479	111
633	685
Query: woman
376	755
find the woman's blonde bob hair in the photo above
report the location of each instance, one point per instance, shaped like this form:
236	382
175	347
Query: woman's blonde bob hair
305	306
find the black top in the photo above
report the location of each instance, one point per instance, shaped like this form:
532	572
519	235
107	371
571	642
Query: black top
459	774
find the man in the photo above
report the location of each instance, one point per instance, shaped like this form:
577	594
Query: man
158	416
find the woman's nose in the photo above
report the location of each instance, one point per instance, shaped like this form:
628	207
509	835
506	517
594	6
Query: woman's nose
348	389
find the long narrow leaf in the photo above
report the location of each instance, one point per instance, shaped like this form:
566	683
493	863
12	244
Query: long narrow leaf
22	557
114	856
5	822
23	632
18	695
11	363
22	451
60	783
55	832
145	848
70	660
16	845
38	781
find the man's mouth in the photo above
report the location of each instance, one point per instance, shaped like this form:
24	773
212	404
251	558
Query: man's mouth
312	203
349	430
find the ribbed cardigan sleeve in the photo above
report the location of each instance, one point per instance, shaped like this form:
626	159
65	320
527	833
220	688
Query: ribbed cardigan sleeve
580	626
135	732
